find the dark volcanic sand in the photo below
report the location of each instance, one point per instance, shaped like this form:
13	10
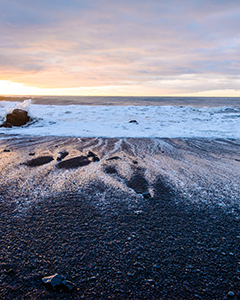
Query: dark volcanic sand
92	224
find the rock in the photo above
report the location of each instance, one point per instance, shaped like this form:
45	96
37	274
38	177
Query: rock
68	286
18	117
6	150
91	154
137	212
58	283
95	158
231	294
41	160
6	125
31	153
62	155
133	121
146	195
10	272
114	158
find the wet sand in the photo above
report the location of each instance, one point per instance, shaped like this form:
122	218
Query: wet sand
152	219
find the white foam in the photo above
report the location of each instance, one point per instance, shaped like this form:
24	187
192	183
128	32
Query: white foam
113	121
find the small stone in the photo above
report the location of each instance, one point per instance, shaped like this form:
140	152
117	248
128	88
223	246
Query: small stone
62	155
67	285
31	154
92	278
95	158
91	154
156	266
10	272
6	150
53	281
133	121
231	294
146	195
113	158
137	212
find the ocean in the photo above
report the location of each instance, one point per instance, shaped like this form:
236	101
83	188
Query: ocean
119	117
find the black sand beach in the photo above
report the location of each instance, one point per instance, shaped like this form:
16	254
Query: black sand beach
144	219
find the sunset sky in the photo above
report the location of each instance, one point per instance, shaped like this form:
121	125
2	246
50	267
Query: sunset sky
127	47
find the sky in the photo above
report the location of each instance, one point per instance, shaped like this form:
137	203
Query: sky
127	47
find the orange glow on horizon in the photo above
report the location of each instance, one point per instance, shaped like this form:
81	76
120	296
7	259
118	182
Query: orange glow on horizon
8	88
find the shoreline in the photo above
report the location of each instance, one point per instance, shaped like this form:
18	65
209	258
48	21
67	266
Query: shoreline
96	225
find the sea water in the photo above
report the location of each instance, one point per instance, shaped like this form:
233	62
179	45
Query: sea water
145	117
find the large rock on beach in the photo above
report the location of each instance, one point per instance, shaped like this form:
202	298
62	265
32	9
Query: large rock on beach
18	117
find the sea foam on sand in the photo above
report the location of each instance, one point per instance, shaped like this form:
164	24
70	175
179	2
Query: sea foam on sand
201	171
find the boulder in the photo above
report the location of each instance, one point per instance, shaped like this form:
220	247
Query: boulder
18	117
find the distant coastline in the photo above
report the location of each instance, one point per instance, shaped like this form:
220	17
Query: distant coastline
128	100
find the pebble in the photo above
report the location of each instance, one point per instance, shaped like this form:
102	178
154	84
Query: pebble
62	155
133	121
58	283
92	278
68	286
10	272
95	158
231	294
146	195
91	154
137	212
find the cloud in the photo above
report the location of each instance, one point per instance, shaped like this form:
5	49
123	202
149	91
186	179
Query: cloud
73	44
